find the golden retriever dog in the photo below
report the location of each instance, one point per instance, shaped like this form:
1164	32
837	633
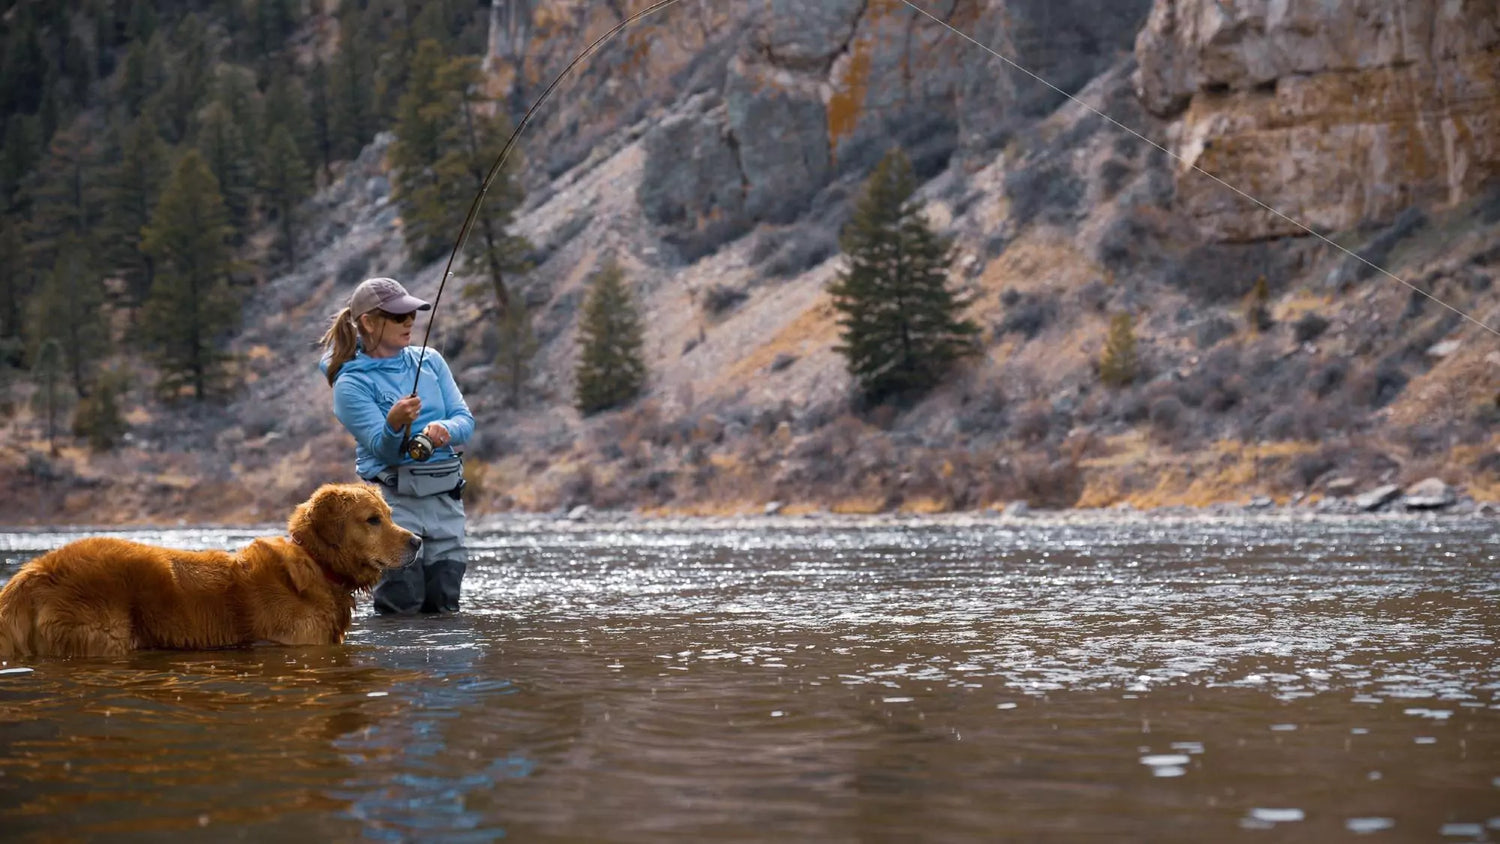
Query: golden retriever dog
105	596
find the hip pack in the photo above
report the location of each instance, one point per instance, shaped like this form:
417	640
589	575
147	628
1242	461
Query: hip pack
432	478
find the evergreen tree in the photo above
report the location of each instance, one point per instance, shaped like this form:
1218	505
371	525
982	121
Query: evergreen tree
190	307
23	61
227	153
188	79
134	185
473	141
446	142
236	88
49	399
67	309
1119	365
67	192
353	114
611	370
99	417
901	329
78	67
19	156
12	353
285	183
143	73
321	112
423	116
286	105
518	345
141	22
16	280
275	20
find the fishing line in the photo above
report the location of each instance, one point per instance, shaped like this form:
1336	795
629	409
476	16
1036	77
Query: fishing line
1181	160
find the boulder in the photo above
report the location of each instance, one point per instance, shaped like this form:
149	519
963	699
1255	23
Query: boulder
1429	494
1378	497
1340	487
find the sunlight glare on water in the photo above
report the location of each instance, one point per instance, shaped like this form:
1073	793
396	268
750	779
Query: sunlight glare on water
820	680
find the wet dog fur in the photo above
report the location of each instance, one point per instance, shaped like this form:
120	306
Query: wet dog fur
104	596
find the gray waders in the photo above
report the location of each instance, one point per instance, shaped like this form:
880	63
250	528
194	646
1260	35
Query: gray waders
424	499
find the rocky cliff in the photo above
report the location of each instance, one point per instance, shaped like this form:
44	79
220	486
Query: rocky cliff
714	149
1334	114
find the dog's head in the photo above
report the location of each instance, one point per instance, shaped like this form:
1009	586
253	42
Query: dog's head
347	528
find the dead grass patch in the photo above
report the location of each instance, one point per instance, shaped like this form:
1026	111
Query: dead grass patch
814	328
1145	476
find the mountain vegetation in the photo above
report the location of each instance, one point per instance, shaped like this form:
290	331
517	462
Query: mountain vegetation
902	327
611	370
865	268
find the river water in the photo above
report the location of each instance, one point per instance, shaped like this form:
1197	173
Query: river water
819	680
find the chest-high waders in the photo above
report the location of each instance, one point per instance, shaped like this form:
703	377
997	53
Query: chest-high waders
425	499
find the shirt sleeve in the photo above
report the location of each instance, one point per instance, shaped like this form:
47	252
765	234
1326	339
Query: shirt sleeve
355	406
459	422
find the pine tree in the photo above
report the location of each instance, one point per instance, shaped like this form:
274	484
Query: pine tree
285	183
518	345
141	21
133	187
275	20
286	105
16	279
49	399
473	140
901	329
190	307
227	152
422	118
143	73
67	309
99	417
321	114
19	156
353	115
189	75
67	194
1119	365
24	66
611	370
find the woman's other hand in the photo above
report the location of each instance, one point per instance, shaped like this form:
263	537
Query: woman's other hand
438	434
403	413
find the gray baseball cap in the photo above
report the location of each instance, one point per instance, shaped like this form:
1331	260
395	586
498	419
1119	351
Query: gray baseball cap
386	294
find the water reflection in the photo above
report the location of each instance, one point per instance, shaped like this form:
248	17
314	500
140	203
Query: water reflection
1184	681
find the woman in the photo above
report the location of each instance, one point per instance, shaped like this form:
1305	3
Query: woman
372	371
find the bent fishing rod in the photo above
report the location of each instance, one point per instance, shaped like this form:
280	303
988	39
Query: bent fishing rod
420	444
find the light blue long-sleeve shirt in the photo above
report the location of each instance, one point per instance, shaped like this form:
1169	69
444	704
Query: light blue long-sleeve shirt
366	389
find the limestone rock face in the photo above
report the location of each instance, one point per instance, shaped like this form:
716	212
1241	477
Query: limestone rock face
1334	113
813	91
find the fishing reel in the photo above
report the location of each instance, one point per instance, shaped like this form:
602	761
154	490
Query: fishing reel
418	447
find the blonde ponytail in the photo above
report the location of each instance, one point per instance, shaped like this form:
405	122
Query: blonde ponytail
342	341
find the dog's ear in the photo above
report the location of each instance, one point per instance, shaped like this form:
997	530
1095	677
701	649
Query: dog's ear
320	519
302	571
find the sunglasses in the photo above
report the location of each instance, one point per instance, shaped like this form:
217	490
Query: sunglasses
401	318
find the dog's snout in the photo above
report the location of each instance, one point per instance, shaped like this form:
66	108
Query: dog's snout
415	543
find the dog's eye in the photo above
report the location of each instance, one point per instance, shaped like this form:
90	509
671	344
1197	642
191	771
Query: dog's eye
374	520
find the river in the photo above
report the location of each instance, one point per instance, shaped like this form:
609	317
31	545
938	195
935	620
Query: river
830	680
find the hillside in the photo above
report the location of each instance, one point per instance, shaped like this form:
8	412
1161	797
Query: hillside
714	150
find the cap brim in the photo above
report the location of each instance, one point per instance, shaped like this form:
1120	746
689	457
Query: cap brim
405	305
